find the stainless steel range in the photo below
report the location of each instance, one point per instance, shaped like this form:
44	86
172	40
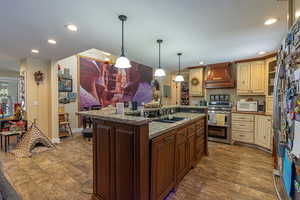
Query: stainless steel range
219	118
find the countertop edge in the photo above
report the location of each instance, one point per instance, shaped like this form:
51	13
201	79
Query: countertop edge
116	120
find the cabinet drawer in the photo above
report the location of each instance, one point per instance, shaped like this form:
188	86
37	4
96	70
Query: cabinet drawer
247	137
242	117
191	130
200	123
181	136
200	133
246	126
200	130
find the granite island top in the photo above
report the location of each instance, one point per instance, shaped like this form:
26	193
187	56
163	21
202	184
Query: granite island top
155	128
110	115
159	128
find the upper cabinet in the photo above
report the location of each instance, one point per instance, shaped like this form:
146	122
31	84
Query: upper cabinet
271	67
258	77
243	78
251	78
196	82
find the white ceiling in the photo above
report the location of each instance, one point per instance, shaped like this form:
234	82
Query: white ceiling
208	30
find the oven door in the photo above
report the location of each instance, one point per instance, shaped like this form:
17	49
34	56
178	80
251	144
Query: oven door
217	132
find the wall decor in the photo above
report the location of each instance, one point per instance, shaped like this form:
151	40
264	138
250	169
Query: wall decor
21	88
103	84
195	81
65	85
38	77
72	96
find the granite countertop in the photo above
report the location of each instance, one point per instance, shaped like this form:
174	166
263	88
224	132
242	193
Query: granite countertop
165	107
110	115
159	128
155	128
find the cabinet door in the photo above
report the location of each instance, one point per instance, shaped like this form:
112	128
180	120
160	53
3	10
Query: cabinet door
192	150
258	77
243	78
263	130
163	167
199	144
101	160
196	90
182	154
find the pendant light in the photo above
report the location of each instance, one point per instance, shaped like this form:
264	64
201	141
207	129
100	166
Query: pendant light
159	72
122	61
179	77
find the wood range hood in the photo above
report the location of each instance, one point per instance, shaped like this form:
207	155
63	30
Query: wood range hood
219	76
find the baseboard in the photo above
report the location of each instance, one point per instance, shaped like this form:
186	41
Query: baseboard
55	140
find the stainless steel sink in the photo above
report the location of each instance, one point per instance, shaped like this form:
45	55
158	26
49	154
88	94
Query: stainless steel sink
167	120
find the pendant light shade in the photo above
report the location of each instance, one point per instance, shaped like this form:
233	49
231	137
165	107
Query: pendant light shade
159	72
179	77
122	62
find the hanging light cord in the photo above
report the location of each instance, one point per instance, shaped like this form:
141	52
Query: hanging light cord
159	41
159	55
122	50
179	64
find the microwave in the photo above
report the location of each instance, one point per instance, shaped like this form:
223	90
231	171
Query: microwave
247	106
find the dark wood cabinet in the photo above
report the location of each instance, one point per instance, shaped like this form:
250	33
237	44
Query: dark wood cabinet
199	143
192	151
163	166
121	159
182	154
192	145
121	166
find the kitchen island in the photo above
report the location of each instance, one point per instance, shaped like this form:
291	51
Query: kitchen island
136	158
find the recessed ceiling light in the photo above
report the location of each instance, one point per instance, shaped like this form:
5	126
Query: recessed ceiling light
271	21
261	53
297	14
51	41
71	27
35	51
201	63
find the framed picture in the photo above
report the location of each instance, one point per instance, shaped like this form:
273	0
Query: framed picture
65	85
72	96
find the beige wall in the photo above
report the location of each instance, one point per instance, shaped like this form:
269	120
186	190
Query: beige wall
38	97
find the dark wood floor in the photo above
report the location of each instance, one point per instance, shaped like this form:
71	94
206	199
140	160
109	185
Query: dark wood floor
65	173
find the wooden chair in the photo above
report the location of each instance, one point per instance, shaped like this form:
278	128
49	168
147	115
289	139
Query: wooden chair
64	125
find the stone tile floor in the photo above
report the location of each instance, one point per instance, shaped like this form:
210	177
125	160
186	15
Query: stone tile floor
65	173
